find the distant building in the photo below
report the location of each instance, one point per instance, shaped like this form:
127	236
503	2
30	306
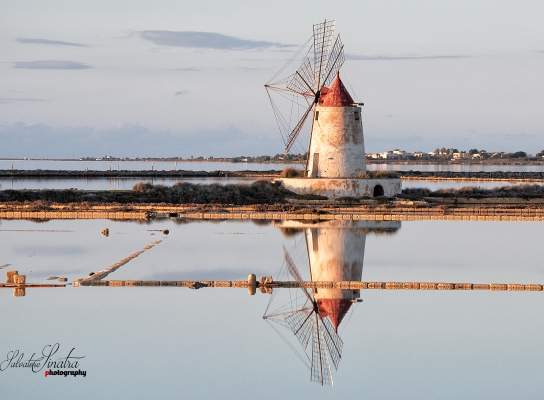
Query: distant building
460	155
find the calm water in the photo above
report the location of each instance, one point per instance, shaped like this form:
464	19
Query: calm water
456	167
128	183
173	342
107	183
436	185
228	166
139	165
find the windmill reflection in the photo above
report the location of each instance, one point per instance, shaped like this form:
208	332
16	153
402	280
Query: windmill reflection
313	315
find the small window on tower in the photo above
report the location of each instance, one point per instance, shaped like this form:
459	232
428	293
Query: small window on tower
357	116
316	115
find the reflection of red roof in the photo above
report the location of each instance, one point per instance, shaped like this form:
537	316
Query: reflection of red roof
335	95
335	309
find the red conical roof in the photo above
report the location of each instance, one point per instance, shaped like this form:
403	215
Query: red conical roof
335	309
336	95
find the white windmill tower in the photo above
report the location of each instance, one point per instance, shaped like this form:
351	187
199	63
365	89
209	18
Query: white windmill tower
336	157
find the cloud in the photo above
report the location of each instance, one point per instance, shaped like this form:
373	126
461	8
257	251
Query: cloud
364	57
49	42
181	92
188	69
247	68
50	64
10	100
205	40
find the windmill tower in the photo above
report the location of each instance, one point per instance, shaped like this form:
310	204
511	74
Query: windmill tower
336	253
336	157
336	142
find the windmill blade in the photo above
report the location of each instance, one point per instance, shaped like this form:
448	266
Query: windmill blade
300	54
301	324
320	371
298	127
284	315
289	87
323	34
335	62
293	270
302	80
304	359
287	107
332	340
281	122
291	266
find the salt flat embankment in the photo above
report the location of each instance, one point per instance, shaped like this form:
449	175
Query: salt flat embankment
264	200
399	210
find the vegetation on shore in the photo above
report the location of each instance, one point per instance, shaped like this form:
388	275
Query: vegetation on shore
513	191
526	175
256	193
261	192
285	173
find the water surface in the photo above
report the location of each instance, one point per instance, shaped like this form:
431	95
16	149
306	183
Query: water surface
128	183
149	342
230	166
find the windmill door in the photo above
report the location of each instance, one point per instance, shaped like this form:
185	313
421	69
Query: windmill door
315	165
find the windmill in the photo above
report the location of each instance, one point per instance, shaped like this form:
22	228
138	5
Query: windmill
322	57
335	165
319	339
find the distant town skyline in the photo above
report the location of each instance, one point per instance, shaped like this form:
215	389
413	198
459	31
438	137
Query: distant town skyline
170	78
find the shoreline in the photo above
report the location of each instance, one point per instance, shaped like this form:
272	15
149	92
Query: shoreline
399	210
235	160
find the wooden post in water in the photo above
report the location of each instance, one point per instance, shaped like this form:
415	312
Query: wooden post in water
252	284
10	276
19	279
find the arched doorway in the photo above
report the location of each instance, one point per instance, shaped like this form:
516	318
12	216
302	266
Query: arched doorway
378	191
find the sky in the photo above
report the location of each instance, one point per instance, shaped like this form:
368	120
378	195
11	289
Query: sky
179	78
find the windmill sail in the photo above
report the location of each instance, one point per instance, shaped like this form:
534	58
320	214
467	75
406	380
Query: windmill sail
315	65
302	80
320	369
335	61
323	34
298	128
318	339
301	325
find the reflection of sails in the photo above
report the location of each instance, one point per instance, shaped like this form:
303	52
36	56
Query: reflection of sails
313	315
314	332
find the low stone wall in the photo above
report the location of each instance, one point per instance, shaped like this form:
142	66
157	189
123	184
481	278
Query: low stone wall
270	284
371	210
334	188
